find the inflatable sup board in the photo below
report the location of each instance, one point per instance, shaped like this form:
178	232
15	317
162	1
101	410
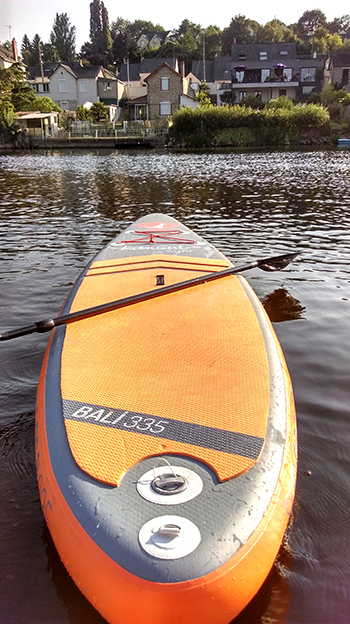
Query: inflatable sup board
165	434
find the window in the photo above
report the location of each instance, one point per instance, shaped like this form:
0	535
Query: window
242	56
165	108
107	86
64	105
242	95
287	74
265	73
308	74
263	56
283	53
83	86
345	77
308	90
258	94
62	85
164	83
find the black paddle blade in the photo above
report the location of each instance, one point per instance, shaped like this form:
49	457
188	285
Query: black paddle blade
277	263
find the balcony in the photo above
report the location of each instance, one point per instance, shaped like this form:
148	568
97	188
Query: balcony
267	84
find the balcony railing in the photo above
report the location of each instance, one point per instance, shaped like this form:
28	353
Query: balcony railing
266	81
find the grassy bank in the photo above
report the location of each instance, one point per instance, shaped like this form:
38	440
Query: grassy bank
240	126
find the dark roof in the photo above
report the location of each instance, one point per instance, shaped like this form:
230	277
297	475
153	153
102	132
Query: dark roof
77	70
146	66
6	54
159	67
252	51
140	100
342	59
218	69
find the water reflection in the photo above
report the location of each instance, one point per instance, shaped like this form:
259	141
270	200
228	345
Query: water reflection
57	209
280	306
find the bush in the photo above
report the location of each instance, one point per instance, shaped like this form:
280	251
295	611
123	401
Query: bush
271	126
8	123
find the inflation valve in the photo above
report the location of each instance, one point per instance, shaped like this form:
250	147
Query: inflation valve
169	483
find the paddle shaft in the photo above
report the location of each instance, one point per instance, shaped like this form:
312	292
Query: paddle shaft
49	324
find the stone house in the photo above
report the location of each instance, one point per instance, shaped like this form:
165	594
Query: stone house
167	91
133	75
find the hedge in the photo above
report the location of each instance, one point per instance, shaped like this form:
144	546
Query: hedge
273	126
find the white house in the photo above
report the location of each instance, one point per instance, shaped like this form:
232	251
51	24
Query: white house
72	85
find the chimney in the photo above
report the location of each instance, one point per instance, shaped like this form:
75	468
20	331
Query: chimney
14	50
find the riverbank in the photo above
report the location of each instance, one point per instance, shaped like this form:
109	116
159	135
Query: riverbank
279	123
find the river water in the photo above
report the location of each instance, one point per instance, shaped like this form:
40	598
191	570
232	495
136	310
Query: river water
57	209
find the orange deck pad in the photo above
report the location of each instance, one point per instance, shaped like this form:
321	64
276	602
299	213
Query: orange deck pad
196	357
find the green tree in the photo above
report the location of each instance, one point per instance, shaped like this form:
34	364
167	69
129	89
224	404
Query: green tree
107	41
30	51
308	24
83	114
339	24
241	30
98	111
63	37
99	50
274	32
8	126
310	21
213	42
122	41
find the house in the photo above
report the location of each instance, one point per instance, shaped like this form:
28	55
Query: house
10	57
71	85
155	39
38	124
216	74
268	71
133	75
339	70
167	91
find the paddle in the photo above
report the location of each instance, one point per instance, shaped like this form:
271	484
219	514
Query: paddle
275	263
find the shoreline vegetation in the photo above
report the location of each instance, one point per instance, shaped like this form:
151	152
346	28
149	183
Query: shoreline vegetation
279	123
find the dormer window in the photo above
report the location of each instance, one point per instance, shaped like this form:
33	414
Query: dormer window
263	56
242	56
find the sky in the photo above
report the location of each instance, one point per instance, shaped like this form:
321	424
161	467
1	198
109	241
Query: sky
30	17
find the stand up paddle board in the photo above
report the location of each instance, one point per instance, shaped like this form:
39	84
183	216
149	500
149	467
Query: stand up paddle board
165	434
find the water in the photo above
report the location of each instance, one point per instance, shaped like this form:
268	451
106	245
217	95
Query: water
56	210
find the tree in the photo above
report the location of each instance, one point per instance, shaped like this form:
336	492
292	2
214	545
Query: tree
62	37
275	31
310	21
241	30
100	35
124	45
98	111
107	41
212	38
30	51
13	86
339	24
308	24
